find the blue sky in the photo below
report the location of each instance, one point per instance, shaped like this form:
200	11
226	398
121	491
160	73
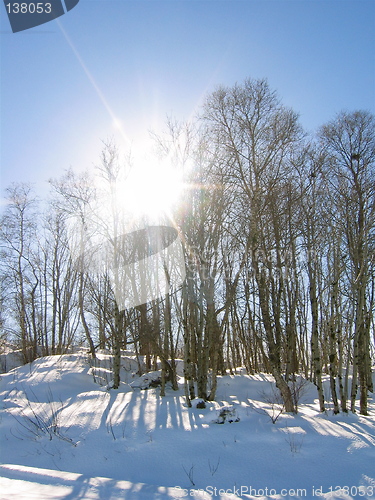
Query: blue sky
63	83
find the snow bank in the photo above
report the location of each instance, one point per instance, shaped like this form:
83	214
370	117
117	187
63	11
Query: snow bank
135	444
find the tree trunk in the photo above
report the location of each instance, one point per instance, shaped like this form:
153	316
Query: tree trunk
83	318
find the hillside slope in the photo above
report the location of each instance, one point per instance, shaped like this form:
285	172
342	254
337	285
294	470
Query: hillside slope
63	435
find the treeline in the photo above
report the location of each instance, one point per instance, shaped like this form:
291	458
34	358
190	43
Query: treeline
278	231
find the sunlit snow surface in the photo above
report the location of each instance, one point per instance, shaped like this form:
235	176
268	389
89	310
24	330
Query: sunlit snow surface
65	435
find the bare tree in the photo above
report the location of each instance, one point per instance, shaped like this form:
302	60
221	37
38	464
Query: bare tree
256	135
18	240
75	193
349	143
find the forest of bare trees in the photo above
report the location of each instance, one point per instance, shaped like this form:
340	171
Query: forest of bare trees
278	234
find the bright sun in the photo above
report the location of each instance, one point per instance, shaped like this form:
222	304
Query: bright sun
151	189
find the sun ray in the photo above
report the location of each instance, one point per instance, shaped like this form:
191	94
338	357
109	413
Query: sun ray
116	122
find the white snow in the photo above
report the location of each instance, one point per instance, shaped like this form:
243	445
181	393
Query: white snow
64	435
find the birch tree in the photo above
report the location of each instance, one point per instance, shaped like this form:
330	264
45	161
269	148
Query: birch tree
256	135
18	241
349	143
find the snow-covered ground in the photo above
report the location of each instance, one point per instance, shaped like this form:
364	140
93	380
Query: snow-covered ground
64	435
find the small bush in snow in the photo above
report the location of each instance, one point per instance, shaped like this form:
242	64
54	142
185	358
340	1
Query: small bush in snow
295	441
213	467
147	381
275	401
190	474
298	387
42	422
227	414
200	404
